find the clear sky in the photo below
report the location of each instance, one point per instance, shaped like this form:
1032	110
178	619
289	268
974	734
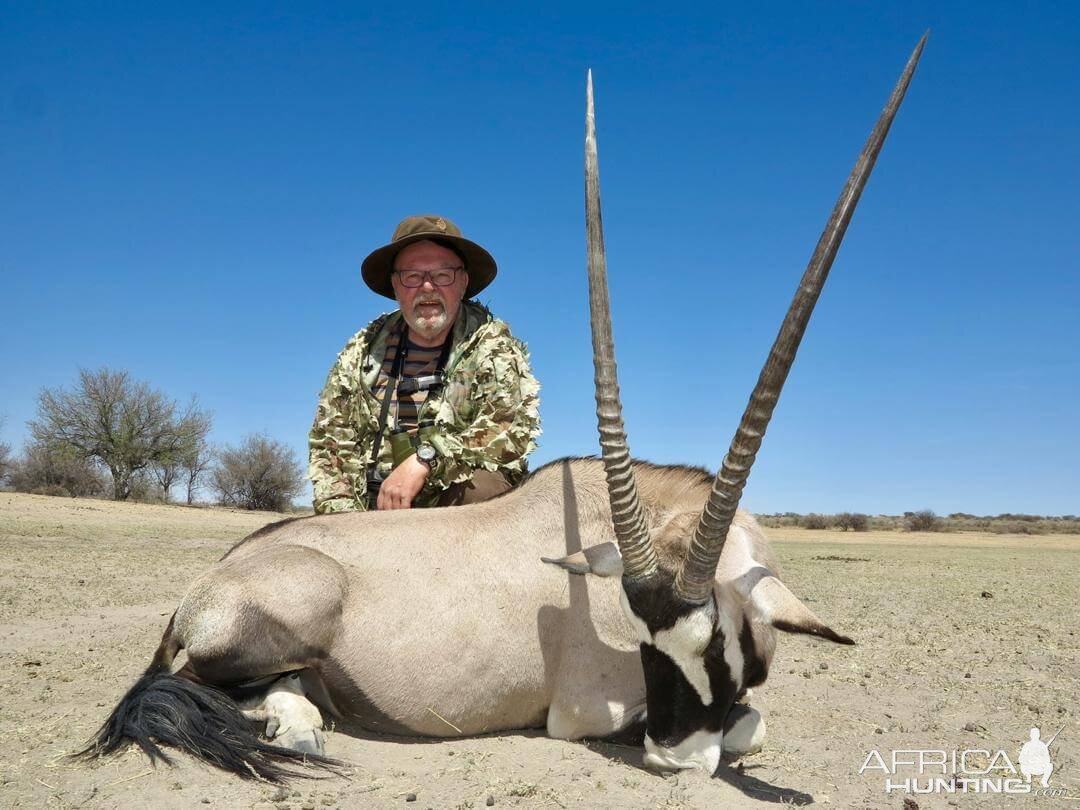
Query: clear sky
188	192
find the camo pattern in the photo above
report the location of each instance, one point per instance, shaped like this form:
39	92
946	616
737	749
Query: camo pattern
487	413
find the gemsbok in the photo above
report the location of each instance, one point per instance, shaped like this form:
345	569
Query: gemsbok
662	603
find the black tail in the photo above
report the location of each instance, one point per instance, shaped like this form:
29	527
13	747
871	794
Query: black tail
162	709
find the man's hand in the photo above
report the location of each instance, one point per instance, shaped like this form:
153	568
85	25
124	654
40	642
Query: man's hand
403	484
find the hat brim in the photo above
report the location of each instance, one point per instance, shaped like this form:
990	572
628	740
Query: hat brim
379	264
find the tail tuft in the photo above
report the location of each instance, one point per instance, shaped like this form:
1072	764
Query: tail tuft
162	709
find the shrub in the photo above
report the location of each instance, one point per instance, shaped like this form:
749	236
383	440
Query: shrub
56	469
815	521
853	521
923	521
54	490
259	474
1016	527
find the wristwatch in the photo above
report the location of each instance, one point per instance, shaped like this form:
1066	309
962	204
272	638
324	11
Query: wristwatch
426	453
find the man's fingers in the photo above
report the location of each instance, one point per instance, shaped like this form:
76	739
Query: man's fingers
392	498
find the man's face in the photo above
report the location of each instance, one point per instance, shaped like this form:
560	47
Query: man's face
429	310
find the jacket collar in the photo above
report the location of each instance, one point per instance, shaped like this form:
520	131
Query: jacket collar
470	318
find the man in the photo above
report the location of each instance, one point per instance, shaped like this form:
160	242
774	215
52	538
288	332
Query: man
440	384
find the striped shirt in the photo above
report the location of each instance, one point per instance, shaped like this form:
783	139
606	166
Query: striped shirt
420	362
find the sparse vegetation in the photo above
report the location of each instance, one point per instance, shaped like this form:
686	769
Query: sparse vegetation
189	459
56	469
6	463
123	424
1005	523
816	521
259	474
853	521
923	521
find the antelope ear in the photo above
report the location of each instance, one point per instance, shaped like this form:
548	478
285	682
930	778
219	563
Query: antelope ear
785	611
603	560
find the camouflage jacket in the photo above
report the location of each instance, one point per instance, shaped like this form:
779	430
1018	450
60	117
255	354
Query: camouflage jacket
487	412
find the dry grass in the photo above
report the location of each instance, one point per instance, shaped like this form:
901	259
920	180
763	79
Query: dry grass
964	641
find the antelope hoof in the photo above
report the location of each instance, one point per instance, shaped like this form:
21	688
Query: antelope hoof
306	741
744	731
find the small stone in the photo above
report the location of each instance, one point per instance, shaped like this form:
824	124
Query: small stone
490	801
1034	708
967	675
879	730
280	795
205	800
327	800
410	797
308	805
823	665
295	794
970	727
987	595
910	804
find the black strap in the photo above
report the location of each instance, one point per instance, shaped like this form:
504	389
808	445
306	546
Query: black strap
400	353
445	354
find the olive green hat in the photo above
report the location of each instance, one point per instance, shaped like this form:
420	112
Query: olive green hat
379	264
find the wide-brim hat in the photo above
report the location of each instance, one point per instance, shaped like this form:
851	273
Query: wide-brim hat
379	264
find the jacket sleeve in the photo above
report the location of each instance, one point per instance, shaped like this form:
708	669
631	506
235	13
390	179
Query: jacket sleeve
337	457
498	428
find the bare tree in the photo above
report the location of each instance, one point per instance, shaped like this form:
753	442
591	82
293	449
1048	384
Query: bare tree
925	520
816	521
853	521
197	456
123	423
259	474
6	462
191	455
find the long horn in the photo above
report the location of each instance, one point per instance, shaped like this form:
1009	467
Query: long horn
694	579
631	530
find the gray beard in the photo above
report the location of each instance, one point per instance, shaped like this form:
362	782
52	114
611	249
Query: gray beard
428	327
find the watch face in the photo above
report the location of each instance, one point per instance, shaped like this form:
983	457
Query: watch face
425	452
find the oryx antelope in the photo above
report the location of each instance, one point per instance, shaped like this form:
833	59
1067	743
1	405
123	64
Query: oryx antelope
443	622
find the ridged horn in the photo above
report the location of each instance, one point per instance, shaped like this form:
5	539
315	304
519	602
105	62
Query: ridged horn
693	581
627	514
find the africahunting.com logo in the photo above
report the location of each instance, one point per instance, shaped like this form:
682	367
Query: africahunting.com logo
975	770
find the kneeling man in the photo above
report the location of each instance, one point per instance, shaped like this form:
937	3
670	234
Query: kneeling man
433	404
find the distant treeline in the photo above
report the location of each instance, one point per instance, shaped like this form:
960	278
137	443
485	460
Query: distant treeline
111	436
926	520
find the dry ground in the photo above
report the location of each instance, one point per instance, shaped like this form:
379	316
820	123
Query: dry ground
86	588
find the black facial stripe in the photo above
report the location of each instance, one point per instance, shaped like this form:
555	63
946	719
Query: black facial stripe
675	709
655	603
754	671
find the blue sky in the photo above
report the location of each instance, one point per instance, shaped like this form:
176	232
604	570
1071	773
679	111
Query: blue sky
188	193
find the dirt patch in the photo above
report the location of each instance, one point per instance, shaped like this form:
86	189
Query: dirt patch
87	586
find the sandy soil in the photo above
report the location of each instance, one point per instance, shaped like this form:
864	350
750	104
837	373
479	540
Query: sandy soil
964	642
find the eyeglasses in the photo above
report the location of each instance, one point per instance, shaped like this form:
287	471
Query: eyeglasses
440	277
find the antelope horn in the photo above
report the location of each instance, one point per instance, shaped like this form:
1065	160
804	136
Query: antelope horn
694	579
631	530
